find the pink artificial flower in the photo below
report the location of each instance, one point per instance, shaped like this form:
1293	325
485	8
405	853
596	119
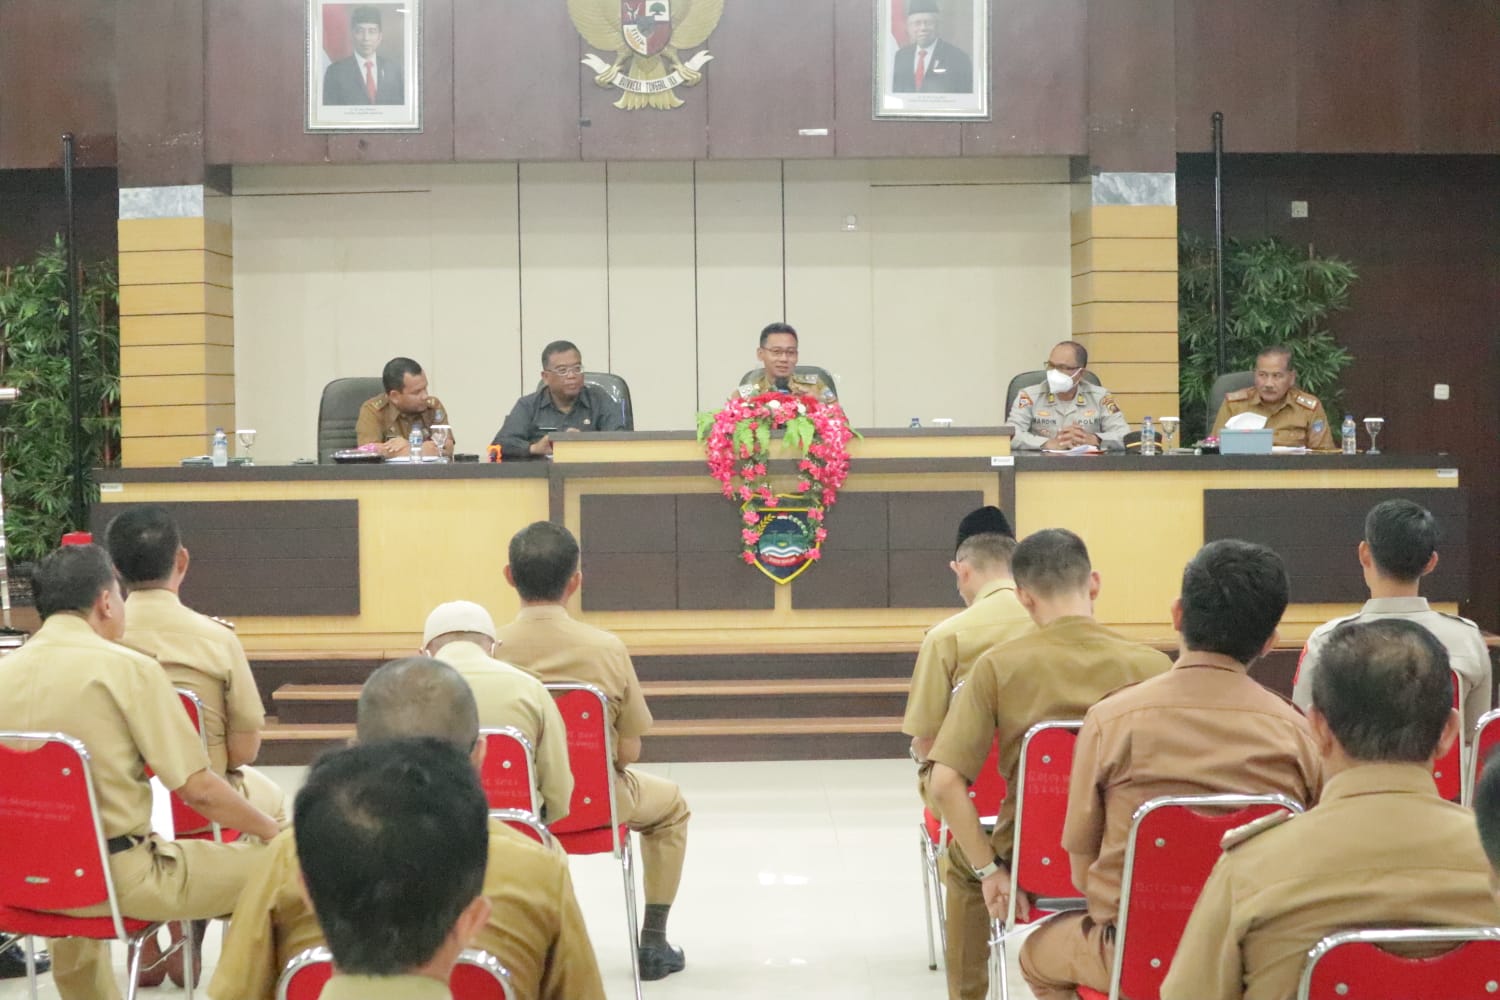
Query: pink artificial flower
772	501
820	534
750	535
815	514
744	493
815	554
749	557
804	486
751	517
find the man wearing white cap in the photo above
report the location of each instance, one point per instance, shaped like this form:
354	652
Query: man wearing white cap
462	634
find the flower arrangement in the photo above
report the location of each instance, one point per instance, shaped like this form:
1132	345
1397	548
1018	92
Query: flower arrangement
738	447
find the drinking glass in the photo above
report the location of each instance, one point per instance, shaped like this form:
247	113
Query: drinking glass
1168	432
1372	428
440	434
246	437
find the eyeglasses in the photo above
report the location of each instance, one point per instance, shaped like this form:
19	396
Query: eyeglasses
1065	369
781	352
564	371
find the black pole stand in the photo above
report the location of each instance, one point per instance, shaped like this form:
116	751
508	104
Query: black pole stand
1219	314
80	505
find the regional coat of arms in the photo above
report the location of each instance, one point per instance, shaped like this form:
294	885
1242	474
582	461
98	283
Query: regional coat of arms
646	37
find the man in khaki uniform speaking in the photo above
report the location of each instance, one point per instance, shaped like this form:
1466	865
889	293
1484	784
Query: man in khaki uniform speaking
535	926
1400	547
1380	850
1057	671
462	635
778	352
1296	417
73	677
547	641
1064	411
1203	727
388	419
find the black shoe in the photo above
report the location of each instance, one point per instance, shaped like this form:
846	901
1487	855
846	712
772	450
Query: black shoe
658	961
13	963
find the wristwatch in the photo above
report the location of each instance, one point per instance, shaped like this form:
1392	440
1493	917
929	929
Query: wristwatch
989	869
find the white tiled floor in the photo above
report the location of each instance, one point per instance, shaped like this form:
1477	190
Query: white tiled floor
802	880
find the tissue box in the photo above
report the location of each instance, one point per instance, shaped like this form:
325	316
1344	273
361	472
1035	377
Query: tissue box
1257	442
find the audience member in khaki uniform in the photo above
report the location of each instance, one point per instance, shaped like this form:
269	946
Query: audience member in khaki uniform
393	840
1381	849
388	419
547	641
1069	662
462	635
1487	811
534	926
1399	549
1203	727
72	677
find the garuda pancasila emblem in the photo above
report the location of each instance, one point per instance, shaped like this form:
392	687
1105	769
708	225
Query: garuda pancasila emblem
646	37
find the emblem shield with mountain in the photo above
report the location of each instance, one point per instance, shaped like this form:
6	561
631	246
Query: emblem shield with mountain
788	541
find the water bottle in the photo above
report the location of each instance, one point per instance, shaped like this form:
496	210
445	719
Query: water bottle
916	423
1148	437
221	448
1349	434
415	440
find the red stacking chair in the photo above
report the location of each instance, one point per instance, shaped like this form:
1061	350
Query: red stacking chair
476	976
987	793
55	854
184	816
1486	737
1448	770
593	824
306	974
1355	965
509	780
524	822
1173	846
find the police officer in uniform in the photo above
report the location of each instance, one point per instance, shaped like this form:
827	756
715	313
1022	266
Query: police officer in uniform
1380	849
778	353
388	419
1297	417
1065	411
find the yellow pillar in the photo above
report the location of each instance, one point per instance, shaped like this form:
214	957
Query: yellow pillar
176	324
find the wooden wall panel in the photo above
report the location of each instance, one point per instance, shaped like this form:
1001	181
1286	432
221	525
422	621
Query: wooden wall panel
1356	76
515	108
858	133
1038	59
1225	63
254	86
159	66
612	133
57	75
754	109
1132	108
1458	80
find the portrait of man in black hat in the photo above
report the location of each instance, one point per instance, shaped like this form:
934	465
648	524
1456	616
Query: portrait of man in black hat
928	63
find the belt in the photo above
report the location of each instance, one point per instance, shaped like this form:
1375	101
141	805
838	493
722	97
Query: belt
122	843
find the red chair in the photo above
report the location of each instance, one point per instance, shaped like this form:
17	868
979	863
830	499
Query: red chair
1486	738
184	816
593	824
524	822
1355	965
1174	843
478	975
509	773
1448	770
56	857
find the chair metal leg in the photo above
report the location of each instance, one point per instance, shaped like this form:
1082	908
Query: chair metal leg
30	966
133	966
940	901
928	874
999	983
189	946
627	865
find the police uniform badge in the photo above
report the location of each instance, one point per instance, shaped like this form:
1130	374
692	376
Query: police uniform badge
1109	404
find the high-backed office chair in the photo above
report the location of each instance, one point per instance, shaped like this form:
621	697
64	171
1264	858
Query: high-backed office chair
339	411
616	388
1025	379
1223	386
827	376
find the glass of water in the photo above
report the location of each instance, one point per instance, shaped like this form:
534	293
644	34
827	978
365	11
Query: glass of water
440	435
246	437
1373	426
1168	432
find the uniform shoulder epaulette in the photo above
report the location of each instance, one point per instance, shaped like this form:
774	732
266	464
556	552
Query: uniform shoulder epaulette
1240	834
220	621
1240	395
1304	400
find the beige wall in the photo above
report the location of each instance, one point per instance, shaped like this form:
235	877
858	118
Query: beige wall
955	275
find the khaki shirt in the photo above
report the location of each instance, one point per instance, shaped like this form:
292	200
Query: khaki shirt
950	648
1056	672
379	420
1467	653
509	696
547	641
1298	420
798	383
202	655
68	679
1380	849
535	928
385	988
1038	414
1203	728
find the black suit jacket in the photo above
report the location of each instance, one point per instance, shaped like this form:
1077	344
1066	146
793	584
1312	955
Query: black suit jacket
950	71
344	84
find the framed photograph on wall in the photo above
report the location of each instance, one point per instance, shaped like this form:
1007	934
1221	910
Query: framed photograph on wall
932	59
364	68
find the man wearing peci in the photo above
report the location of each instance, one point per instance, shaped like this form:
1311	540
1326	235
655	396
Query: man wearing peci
1065	411
388	419
365	77
928	64
565	403
1296	417
778	353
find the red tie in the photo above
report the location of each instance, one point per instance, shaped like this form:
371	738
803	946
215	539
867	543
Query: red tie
921	68
370	79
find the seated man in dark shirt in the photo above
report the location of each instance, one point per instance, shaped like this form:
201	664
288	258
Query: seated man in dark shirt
563	403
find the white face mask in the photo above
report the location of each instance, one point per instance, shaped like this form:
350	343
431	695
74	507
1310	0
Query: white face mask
1057	381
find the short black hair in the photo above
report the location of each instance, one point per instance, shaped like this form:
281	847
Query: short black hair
1233	596
143	543
71	579
543	558
987	551
417	696
778	327
1385	688
1487	809
1051	562
393	376
1279	350
559	347
365	14
393	840
1080	353
1402	537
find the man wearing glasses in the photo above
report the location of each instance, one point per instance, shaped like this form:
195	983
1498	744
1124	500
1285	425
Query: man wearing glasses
778	352
564	404
1296	417
1065	411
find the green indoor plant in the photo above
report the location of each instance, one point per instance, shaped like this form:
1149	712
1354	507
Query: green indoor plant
36	431
1275	294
